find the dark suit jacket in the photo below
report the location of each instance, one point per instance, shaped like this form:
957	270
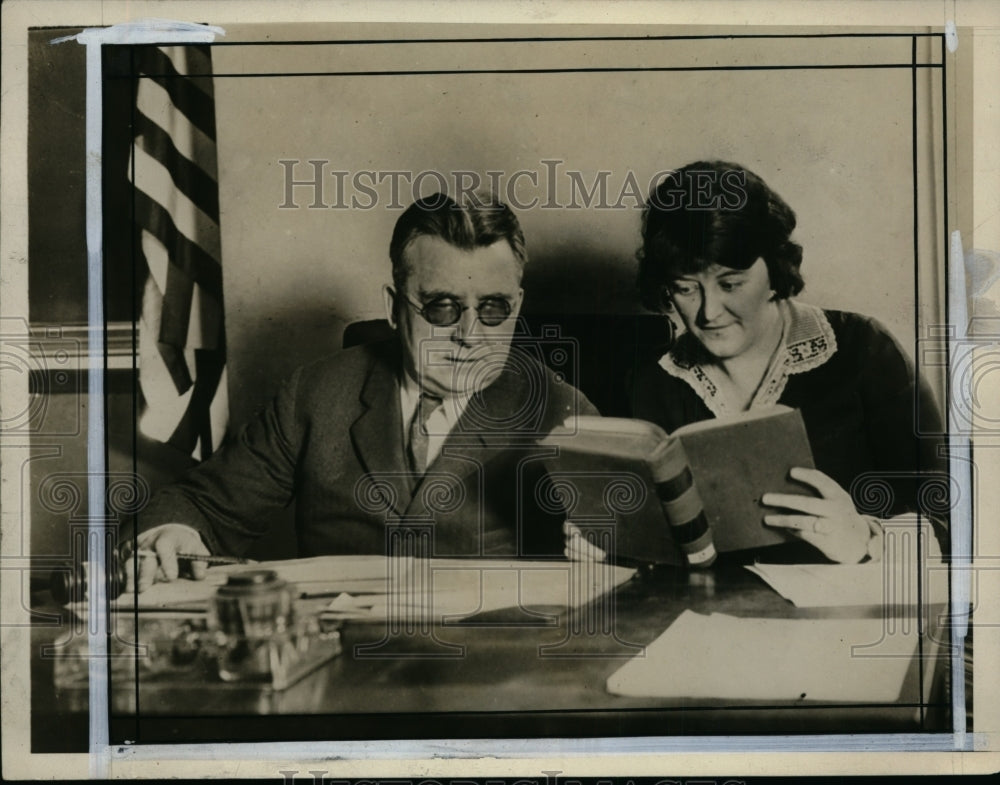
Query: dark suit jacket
331	441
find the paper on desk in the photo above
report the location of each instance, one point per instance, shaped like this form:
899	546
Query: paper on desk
725	657
443	587
351	606
842	585
466	587
317	575
458	588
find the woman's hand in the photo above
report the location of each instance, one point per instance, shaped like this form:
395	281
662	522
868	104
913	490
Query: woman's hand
578	548
830	522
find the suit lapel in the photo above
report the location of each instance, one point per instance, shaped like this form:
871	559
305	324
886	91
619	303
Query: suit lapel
377	433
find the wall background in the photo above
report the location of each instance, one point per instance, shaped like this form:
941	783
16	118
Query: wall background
836	144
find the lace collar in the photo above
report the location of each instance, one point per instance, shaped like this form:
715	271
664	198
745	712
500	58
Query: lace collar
807	342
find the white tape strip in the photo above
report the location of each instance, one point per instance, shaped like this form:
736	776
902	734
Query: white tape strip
544	748
97	604
959	462
143	31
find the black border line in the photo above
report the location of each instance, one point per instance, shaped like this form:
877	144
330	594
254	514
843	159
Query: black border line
599	70
562	39
416	715
136	316
947	353
913	66
108	533
916	331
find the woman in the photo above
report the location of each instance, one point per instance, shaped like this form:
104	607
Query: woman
716	251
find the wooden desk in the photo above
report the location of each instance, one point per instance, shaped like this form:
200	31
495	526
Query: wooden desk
497	676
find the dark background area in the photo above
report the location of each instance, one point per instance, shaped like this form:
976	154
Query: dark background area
57	275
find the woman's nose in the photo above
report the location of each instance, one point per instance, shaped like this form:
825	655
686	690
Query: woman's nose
711	304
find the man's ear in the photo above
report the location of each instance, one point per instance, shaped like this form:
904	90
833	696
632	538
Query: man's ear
389	298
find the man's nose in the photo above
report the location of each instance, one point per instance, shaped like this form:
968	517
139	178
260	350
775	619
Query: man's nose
466	328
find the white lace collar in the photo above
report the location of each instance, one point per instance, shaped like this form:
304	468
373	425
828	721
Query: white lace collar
808	342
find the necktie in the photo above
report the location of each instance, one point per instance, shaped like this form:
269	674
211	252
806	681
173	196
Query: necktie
418	432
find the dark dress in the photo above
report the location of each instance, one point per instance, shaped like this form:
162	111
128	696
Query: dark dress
872	426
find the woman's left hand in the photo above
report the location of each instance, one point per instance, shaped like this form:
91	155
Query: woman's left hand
830	522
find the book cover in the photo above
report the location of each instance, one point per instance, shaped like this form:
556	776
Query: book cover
611	475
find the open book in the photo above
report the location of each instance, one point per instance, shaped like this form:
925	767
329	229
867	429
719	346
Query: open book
607	472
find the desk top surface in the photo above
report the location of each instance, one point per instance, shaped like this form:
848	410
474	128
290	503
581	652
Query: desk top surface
512	673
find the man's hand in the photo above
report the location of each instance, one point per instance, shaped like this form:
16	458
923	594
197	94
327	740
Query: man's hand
157	556
829	522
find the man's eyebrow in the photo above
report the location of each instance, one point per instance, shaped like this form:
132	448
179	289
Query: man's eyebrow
495	296
437	294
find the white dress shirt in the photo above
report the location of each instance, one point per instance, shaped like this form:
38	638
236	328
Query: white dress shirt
439	424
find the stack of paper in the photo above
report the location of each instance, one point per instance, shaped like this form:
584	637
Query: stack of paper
724	657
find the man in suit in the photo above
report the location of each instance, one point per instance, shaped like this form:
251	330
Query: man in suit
433	430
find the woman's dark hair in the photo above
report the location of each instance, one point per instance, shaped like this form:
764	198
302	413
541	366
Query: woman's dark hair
714	212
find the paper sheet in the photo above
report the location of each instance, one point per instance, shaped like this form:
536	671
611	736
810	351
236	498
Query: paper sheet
317	575
731	658
459	588
842	585
360	585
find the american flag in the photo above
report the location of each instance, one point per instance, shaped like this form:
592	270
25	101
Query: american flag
174	170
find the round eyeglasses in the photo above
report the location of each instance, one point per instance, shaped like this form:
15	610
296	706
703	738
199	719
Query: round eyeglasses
444	311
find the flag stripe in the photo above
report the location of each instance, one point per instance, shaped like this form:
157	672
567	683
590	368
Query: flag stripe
205	322
171	357
193	181
195	426
176	365
153	179
176	207
198	62
218	411
175	312
185	94
164	405
154	102
157	261
205	325
194	60
187	256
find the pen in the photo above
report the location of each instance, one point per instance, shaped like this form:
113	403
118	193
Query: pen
200	557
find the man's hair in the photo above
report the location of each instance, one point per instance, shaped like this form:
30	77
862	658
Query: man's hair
714	212
479	221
